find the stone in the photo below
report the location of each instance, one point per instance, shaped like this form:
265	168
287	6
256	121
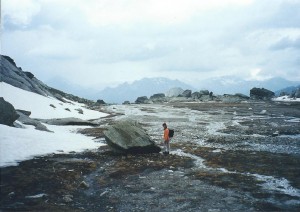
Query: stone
68	121
80	111
142	100
129	137
68	198
83	184
261	94
196	95
24	119
8	113
126	103
204	92
158	96
100	102
187	93
242	96
26	113
174	92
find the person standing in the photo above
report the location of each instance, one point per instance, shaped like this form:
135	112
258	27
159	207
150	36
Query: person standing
166	139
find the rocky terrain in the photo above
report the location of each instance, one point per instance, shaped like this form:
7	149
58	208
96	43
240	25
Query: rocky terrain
12	74
224	157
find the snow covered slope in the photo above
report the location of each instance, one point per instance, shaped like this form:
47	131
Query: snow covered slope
40	105
17	144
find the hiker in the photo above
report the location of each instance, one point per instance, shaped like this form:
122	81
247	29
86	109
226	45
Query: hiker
166	139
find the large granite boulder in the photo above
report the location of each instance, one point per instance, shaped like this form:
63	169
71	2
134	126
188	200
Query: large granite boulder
157	96
129	137
8	113
261	94
196	95
204	92
187	93
174	92
100	102
142	100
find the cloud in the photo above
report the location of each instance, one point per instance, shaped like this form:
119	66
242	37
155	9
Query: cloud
99	42
19	12
285	43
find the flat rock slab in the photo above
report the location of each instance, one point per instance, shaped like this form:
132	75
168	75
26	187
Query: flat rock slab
129	137
68	121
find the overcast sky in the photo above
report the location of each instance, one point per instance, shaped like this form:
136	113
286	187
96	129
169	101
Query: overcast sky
98	43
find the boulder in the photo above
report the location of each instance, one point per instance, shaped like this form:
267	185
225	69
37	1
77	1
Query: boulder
204	92
24	112
158	96
187	93
196	95
100	102
229	98
8	113
25	119
142	100
242	96
68	121
126	103
261	94
174	92
129	137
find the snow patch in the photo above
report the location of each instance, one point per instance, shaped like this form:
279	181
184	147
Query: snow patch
39	105
275	184
19	144
286	99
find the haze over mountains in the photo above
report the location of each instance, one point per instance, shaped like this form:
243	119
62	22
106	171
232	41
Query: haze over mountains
144	87
150	86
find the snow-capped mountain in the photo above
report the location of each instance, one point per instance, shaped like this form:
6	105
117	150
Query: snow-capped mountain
143	87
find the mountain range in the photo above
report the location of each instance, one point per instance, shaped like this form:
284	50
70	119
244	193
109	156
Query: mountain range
150	86
131	91
143	87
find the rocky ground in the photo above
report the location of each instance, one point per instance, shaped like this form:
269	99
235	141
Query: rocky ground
225	157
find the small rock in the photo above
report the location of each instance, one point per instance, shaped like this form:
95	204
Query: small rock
11	194
36	196
103	193
263	112
68	198
83	184
276	133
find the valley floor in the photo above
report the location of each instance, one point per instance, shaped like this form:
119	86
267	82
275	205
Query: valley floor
224	157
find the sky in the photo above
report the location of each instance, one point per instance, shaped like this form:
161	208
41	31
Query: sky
100	43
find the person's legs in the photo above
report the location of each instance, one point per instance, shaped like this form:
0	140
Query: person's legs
167	146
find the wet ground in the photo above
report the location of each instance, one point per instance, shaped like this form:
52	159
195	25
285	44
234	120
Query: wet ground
225	157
